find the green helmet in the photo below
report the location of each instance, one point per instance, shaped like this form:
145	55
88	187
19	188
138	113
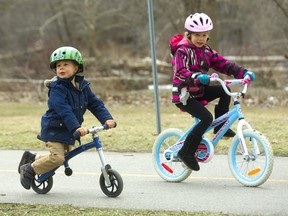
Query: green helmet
66	53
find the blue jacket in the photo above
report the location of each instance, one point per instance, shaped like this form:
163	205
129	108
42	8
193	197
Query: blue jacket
66	108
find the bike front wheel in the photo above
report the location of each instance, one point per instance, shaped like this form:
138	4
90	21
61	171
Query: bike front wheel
255	168
116	186
169	168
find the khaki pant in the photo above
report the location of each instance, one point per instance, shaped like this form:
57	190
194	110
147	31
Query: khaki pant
45	163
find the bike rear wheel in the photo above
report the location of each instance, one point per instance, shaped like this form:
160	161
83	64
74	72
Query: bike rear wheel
167	168
254	169
43	187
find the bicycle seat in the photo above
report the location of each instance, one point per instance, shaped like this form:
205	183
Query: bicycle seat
39	137
204	102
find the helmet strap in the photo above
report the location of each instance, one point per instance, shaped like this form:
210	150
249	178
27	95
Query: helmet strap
188	35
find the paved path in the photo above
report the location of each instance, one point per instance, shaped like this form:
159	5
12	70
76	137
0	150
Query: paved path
212	189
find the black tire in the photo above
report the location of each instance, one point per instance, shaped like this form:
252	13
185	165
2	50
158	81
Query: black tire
116	186
44	187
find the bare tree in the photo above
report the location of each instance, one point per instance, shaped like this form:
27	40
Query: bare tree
108	30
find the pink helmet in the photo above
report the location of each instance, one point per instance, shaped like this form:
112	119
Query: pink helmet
198	22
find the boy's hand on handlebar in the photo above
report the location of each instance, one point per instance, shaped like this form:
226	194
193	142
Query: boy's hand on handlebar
110	123
203	78
83	131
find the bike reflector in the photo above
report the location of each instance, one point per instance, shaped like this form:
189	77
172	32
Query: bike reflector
253	172
166	167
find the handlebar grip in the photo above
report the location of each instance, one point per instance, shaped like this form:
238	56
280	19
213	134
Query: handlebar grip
105	127
214	75
77	135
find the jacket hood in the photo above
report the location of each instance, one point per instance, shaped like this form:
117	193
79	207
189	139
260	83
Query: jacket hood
184	41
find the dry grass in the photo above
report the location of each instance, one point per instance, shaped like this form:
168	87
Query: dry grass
135	132
136	129
47	210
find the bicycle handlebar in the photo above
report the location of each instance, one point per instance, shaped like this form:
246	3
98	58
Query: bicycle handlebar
225	83
92	130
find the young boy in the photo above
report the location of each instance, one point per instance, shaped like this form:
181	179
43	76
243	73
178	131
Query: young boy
69	97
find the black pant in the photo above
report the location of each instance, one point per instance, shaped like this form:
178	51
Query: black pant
195	108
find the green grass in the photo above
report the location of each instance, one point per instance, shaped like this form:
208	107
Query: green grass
136	130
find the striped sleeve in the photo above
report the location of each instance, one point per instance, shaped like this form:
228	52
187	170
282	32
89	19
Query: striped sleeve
181	65
219	63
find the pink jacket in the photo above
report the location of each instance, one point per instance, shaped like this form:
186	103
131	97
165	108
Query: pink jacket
190	60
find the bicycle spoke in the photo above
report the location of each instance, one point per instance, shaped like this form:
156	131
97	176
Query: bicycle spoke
164	153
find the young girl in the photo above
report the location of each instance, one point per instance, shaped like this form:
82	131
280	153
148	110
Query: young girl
191	62
69	97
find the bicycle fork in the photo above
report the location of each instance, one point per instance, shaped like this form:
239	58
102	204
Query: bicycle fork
241	124
105	167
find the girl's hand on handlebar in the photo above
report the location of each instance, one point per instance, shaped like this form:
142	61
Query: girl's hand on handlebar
248	77
203	78
110	123
83	131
